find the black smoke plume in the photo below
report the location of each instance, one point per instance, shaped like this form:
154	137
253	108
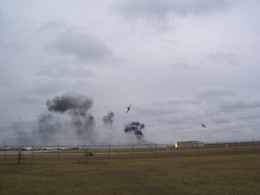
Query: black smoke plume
77	106
136	129
69	102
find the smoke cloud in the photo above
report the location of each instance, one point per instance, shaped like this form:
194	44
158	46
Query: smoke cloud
108	119
48	127
77	107
69	102
136	129
69	120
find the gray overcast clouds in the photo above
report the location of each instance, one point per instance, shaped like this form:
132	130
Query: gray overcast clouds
179	63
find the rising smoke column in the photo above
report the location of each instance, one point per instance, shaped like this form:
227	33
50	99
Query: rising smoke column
136	129
77	106
108	118
48	127
108	123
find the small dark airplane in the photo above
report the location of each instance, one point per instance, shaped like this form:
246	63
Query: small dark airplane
128	108
203	125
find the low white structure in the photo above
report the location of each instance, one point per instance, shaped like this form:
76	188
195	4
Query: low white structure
189	144
28	149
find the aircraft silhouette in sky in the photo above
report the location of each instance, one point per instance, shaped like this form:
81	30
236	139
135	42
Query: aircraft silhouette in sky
203	125
128	108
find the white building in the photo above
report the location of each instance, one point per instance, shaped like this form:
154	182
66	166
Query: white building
189	144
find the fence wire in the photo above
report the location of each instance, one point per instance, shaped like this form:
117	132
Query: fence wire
86	153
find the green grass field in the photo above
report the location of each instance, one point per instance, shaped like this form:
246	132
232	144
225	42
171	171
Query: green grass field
221	174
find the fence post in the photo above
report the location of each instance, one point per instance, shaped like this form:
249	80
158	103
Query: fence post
218	147
253	145
156	150
235	146
19	156
171	152
133	151
32	152
172	148
83	151
58	151
86	155
109	151
5	151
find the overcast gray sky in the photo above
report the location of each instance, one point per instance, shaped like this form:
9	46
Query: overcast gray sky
178	63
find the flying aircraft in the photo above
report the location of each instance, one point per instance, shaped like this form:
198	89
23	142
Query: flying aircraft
128	108
203	125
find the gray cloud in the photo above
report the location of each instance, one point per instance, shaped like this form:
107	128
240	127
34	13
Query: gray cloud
240	104
214	92
82	46
224	58
1	14
183	101
30	100
227	100
161	9
9	45
52	26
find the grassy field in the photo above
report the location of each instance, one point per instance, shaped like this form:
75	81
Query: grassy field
221	174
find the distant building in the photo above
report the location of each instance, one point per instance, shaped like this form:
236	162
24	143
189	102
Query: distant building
189	144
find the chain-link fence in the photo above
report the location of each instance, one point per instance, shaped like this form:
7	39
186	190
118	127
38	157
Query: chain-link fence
32	152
